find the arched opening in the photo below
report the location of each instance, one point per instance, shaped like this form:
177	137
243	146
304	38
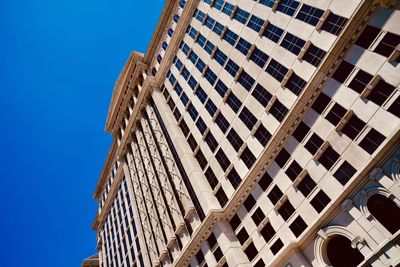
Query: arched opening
385	211
341	254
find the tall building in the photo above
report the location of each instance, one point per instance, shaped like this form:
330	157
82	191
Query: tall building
257	133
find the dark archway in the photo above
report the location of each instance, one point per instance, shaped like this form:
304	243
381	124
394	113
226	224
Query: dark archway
341	254
385	211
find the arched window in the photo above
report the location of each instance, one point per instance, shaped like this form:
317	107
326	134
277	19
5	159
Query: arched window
385	211
341	254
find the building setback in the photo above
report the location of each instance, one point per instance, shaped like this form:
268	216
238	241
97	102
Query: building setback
257	133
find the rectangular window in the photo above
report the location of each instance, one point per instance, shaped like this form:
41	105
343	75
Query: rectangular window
259	57
334	24
282	158
241	16
243	46
211	178
185	73
222	159
201	94
209	22
201	40
210	76
192	82
306	185
286	210
221	88
228	8
295	84
234	178
185	49
265	181
221	197
321	102
344	173
218	28
267	232
200	65
273	32
275	195
381	92
262	135
255	23
249	203
193	33
288	6
209	47
372	141
353	127
246	80
248	157
336	114
210	107
343	71
232	68
211	142
184	98
218	4
309	14
298	226
193	57
293	170
388	44
248	118
235	222
242	236
314	55
192	142
170	32
184	128
268	3
192	112
314	143
251	251
320	201
276	70
258	216
222	123
234	102
360	81
220	57
292	43
201	159
201	125
230	37
178	89
278	110
200	16
261	95
329	158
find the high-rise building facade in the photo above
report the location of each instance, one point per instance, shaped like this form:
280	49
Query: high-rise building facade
257	133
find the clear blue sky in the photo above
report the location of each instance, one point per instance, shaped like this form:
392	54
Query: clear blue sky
59	60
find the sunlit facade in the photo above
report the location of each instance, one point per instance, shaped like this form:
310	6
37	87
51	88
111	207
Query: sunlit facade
257	133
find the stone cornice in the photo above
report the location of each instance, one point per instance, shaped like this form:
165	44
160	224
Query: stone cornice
306	99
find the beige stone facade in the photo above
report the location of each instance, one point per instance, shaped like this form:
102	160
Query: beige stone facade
257	133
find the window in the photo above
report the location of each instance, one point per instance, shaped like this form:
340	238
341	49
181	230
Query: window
218	4
276	246
268	3
255	23
234	102
314	55
176	18
201	40
220	57
328	158
211	142
178	64
381	92
185	49
262	135
193	57
184	128
336	114
286	210
275	194
320	201
209	47
212	241
321	102
201	125
170	32
234	178
184	98
246	80
192	82
278	110
222	159
177	114
251	251
295	84
201	94
235	140
314	143
293	170
164	45
200	16
258	216
192	33
309	14
288	7
211	178
210	22
249	202
185	73
372	141
232	68
241	16
210	107
260	263
261	95
172	79
228	9
360	81
298	226
235	222
301	131
306	185
292	43
243	46
282	158
201	159
221	197
210	76
388	44
242	236
192	112
192	142
200	257
334	24
353	127
248	118
259	57
367	36
230	37
343	71
267	232
218	28
344	173
395	107
222	123
265	181
248	158
276	70
221	88
273	32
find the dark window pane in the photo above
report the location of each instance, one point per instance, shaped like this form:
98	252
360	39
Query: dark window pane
388	44
353	127
367	36
328	158
286	210
372	141
301	131
344	173
320	201
321	102
334	24
306	185
249	202
293	170
267	232
282	158
298	226
262	135
278	110
258	216
265	181
211	178
275	194
335	114
361	80
261	95
343	71
234	178
242	236
248	158
277	246
251	251
235	140
381	92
